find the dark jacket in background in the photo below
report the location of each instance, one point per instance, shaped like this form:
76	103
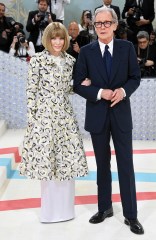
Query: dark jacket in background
116	9
81	40
148	13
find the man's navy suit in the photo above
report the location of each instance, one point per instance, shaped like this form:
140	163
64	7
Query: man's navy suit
103	121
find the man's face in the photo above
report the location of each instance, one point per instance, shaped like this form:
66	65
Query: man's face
142	43
105	34
43	6
107	2
73	30
2	11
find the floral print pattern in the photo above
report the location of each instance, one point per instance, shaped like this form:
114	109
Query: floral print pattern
52	147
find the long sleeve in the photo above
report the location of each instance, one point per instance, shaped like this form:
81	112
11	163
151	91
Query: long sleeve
32	88
31	50
12	51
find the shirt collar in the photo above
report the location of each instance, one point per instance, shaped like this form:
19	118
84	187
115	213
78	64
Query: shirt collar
106	6
110	44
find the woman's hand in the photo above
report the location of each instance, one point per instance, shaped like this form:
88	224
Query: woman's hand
86	82
15	39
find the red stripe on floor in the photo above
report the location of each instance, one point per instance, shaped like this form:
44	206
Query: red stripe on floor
141	151
15	151
79	200
11	150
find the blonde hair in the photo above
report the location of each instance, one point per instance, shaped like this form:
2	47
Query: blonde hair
55	29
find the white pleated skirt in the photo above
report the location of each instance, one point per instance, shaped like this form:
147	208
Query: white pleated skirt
57	201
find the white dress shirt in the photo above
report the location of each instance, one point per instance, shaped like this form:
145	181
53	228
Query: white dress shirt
58	8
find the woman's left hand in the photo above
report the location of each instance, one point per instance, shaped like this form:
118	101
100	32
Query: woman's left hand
86	82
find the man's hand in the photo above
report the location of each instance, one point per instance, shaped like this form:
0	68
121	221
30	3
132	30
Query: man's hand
117	96
76	47
37	18
107	94
130	11
142	22
49	18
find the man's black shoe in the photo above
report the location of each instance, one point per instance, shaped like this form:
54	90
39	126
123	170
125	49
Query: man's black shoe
135	226
100	216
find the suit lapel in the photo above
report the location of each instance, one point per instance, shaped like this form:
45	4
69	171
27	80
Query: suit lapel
99	61
116	59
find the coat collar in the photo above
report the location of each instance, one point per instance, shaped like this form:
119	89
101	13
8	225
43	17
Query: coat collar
48	59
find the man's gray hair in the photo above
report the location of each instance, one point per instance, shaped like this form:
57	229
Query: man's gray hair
143	34
106	9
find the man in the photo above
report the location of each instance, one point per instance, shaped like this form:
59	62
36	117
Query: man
37	22
114	77
77	40
108	3
146	55
7	28
139	15
58	8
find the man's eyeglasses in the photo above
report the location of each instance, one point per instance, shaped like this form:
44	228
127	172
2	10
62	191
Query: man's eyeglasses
142	42
106	24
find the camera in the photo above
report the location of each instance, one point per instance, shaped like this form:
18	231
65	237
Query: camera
142	62
89	15
10	22
44	16
21	38
137	13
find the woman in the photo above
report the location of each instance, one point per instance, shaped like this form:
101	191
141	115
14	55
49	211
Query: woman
86	26
53	150
20	47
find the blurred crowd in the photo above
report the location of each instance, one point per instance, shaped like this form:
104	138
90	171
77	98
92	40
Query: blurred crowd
134	24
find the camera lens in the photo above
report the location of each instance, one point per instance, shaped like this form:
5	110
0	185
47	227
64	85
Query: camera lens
21	39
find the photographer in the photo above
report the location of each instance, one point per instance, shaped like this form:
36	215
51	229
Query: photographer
86	26
20	47
123	32
139	15
7	28
37	22
146	55
76	41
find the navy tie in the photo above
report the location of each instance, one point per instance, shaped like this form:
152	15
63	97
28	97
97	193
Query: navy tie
107	60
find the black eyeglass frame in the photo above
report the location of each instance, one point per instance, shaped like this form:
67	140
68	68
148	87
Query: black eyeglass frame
106	24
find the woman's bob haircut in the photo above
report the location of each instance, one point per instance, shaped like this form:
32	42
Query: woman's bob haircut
53	30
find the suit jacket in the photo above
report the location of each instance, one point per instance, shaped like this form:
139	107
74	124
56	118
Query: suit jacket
125	73
148	13
116	9
34	29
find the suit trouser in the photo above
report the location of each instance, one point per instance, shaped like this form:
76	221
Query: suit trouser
123	147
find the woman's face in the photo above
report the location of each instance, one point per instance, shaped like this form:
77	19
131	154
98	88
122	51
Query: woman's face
57	44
